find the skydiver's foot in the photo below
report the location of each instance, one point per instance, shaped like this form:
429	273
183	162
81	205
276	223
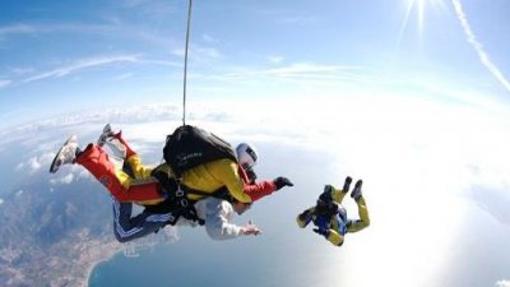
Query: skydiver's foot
113	141
105	135
347	184
356	192
66	154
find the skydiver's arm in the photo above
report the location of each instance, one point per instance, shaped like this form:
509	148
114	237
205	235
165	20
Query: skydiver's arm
255	190
364	221
305	217
217	224
259	189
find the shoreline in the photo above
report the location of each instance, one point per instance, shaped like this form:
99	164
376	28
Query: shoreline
94	264
97	253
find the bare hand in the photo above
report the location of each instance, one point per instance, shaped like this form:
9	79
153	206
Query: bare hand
250	229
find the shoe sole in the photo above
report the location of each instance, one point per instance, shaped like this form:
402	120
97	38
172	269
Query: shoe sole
53	167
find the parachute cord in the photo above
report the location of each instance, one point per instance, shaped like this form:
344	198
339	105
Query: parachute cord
186	65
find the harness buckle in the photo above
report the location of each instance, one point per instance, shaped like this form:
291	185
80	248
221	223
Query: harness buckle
184	202
179	192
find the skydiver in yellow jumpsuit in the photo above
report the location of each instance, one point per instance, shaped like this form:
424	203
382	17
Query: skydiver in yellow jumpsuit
330	217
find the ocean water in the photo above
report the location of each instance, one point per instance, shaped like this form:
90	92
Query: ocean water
198	261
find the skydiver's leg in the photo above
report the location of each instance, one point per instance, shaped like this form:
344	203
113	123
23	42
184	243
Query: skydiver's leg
364	219
334	237
119	183
127	228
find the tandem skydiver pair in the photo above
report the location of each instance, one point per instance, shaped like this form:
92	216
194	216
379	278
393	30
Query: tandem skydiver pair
208	193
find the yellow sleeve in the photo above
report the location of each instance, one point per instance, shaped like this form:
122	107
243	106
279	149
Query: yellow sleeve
226	172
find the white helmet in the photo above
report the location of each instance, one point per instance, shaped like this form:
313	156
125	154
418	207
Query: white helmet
246	155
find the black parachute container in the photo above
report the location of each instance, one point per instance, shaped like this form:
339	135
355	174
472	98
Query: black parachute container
189	146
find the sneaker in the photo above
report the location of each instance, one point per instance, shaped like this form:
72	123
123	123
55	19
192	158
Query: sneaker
347	184
66	154
105	135
356	192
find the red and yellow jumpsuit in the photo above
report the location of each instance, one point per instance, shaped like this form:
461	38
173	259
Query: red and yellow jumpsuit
144	189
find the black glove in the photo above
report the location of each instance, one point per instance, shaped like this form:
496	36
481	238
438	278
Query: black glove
322	232
281	181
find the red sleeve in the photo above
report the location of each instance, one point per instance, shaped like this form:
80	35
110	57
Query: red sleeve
256	190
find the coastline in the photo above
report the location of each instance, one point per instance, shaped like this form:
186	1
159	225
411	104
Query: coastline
94	264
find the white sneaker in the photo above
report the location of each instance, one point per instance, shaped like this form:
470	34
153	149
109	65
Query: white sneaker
66	154
105	135
111	144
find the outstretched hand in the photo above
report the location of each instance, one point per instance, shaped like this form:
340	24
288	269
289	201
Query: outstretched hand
250	229
281	182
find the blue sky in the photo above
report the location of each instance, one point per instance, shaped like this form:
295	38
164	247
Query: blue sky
62	56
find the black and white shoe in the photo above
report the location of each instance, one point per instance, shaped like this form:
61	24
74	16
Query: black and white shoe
356	192
66	154
347	184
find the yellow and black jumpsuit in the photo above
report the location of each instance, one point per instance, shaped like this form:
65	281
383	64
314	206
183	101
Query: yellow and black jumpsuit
335	225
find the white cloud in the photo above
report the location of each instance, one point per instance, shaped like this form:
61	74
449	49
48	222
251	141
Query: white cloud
275	59
302	69
178	52
150	8
68	179
2	201
83	64
84	174
113	28
320	73
209	39
5	83
35	163
20	192
16	29
21	28
123	76
161	62
503	283
207	52
20	166
22	70
199	53
297	20
482	54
